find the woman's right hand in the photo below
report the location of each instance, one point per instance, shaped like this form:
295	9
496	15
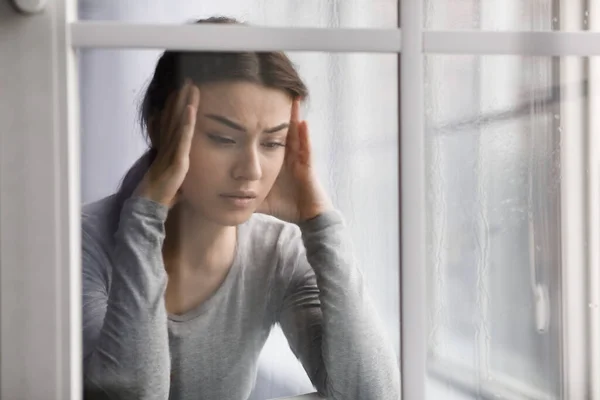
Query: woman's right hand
175	132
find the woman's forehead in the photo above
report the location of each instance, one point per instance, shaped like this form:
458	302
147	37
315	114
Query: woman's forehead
244	99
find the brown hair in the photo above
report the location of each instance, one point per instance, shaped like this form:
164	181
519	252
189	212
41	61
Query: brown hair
271	69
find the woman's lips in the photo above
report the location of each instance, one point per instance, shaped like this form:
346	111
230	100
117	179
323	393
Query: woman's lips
239	201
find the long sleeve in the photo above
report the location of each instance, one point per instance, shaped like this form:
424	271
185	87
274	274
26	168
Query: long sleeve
330	321
125	335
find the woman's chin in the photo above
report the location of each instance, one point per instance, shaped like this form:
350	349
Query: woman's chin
233	218
216	213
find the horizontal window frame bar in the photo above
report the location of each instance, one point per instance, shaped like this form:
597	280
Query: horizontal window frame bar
512	43
219	37
216	37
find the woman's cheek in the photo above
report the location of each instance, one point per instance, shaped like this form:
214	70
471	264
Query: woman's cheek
276	167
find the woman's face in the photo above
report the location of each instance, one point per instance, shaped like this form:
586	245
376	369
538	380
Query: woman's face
237	150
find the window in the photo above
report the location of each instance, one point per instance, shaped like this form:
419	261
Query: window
497	192
493	184
354	131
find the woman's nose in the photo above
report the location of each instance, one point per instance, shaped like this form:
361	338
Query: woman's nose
248	166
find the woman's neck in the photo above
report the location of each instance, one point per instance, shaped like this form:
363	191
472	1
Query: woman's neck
195	244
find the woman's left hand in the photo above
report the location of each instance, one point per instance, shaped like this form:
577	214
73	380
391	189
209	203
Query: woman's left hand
297	194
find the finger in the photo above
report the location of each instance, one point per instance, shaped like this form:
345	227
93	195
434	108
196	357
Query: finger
292	144
176	120
187	134
163	124
194	97
179	107
164	134
188	123
295	118
305	145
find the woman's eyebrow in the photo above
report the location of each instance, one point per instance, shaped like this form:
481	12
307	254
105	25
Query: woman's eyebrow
277	128
227	122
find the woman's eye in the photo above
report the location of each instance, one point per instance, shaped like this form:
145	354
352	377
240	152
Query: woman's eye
274	145
221	139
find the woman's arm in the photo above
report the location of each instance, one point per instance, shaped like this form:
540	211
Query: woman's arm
125	337
330	321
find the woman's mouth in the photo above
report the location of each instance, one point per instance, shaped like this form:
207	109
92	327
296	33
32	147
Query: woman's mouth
239	200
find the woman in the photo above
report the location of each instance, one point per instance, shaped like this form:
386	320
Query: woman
218	232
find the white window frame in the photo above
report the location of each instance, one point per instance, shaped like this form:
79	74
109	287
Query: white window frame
48	363
593	148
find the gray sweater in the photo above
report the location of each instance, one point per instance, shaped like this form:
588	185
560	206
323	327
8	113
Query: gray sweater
301	277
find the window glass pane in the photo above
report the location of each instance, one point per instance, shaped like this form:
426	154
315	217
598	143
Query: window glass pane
290	13
493	134
511	15
353	120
